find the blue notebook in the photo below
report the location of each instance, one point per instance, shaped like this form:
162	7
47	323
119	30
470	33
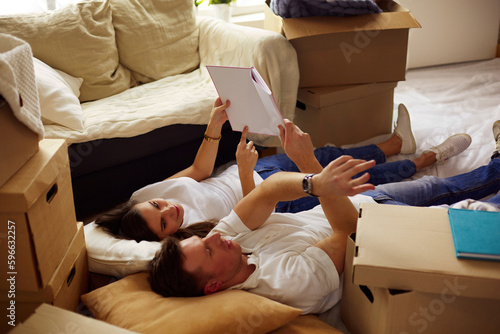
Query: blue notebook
476	234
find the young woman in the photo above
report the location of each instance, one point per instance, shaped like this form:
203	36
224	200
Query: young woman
175	205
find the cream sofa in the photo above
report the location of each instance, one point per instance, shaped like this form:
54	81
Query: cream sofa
146	94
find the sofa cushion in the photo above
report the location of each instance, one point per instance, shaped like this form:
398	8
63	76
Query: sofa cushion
58	94
78	40
156	39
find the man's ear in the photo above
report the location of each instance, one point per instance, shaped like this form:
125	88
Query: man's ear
212	287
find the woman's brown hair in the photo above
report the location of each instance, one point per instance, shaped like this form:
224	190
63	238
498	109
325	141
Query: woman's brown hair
125	221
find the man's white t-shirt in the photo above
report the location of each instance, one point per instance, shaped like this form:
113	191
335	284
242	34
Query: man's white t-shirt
212	198
288	268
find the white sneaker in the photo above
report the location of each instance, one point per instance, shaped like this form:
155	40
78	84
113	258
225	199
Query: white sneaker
403	131
451	147
496	135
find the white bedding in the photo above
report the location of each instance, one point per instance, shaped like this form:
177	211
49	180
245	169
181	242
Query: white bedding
144	108
449	99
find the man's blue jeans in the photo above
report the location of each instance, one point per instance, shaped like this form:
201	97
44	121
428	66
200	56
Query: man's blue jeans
432	190
379	174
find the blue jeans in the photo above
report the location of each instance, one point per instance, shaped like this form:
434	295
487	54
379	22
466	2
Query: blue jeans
379	174
432	190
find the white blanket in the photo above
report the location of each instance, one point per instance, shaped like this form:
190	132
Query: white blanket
184	98
450	99
17	82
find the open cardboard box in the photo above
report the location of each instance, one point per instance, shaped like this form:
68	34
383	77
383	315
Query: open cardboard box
332	115
348	50
402	276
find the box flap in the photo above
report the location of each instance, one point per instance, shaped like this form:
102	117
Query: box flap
411	248
319	97
38	174
393	17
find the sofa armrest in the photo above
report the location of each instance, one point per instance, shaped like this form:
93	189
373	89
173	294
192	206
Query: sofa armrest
270	53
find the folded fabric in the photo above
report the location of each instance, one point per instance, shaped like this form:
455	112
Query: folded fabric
17	82
304	8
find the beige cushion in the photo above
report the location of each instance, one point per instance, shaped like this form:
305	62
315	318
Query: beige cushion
156	39
307	324
129	303
78	40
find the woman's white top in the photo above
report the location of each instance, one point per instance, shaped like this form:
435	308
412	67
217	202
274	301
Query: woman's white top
212	198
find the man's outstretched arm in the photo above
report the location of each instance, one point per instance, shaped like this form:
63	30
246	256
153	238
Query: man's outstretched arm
343	218
335	180
299	148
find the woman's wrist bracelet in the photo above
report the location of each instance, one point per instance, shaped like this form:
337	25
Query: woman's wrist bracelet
211	139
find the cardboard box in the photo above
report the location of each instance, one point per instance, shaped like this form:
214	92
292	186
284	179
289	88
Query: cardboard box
419	284
19	143
348	50
346	114
50	319
67	284
38	215
452	31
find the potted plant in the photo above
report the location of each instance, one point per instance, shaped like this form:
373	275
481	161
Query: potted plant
221	9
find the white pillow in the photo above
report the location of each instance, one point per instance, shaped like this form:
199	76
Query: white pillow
58	93
109	255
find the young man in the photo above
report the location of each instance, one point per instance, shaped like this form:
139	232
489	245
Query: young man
296	259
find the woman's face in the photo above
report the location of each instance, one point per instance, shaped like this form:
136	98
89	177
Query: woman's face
162	217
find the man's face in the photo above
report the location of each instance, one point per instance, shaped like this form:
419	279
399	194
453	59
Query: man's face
216	257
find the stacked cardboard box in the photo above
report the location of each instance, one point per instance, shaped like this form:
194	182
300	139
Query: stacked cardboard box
50	319
402	276
42	248
362	57
22	142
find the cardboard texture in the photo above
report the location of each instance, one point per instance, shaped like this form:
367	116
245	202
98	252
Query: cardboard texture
36	206
346	114
348	50
411	248
372	310
50	319
68	282
452	31
19	143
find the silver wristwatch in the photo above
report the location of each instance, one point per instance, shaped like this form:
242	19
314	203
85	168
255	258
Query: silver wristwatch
307	184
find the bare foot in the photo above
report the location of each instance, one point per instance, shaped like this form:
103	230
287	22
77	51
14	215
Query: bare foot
427	159
391	146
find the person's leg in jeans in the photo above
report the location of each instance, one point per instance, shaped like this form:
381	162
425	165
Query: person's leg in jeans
379	174
432	190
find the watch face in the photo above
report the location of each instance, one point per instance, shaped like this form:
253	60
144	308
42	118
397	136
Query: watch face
305	184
